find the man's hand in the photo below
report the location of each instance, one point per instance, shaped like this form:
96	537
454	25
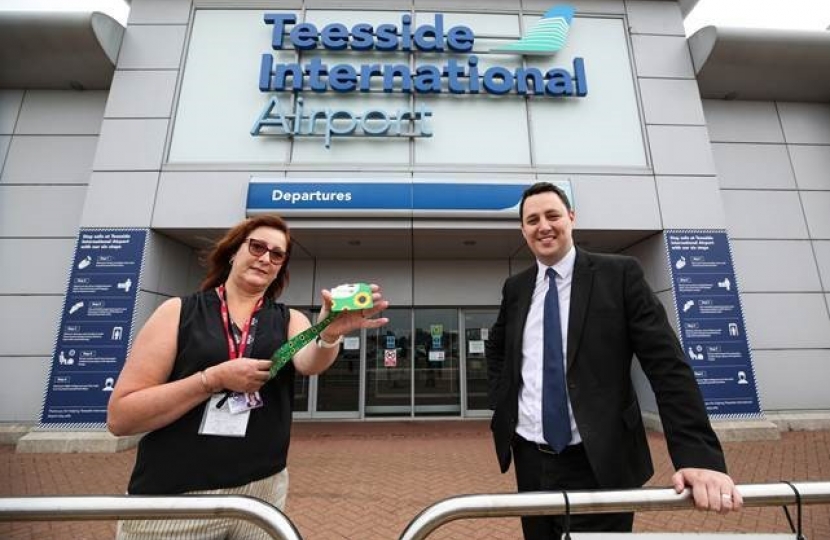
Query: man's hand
712	490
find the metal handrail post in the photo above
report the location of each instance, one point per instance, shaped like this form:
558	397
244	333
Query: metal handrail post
583	502
78	508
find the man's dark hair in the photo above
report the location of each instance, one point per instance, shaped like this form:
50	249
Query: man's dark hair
542	187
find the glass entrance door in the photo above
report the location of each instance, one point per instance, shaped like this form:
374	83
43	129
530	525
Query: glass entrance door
437	382
477	326
389	366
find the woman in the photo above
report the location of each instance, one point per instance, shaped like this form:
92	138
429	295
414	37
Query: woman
197	379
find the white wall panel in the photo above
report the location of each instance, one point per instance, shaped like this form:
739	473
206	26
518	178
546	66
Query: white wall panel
152	47
683	150
120	199
10	101
130	145
787	320
639	211
753	166
805	123
671	101
650	17
62	205
22	401
141	94
778	372
159	11
817	210
61	112
742	121
775	266
200	199
811	165
4	148
36	278
29	324
690	202
748	214
447	283
50	160
822	249
662	56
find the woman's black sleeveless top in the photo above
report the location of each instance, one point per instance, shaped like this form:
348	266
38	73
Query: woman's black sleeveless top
175	458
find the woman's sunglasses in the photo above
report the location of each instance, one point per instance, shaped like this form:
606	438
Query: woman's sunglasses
257	248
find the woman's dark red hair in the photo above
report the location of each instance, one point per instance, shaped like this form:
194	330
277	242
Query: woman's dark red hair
219	258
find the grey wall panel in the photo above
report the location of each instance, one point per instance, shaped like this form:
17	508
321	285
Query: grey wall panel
395	278
775	266
690	202
59	112
173	279
817	210
29	324
649	17
36	278
152	47
146	304
805	123
447	283
22	401
50	160
4	148
667	299
141	94
32	211
653	258
159	11
120	199
747	214
671	101
153	261
616	202
681	150
130	145
779	372
203	199
822	249
742	121
753	166
10	101
787	320
662	56
811	165
300	291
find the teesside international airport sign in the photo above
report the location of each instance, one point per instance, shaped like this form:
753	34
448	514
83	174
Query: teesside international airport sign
457	75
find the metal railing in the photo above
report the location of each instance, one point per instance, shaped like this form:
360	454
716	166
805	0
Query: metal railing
80	508
583	502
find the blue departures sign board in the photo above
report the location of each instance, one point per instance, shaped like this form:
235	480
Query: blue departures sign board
711	321
95	328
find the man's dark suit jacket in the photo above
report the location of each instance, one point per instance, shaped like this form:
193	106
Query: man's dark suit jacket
613	315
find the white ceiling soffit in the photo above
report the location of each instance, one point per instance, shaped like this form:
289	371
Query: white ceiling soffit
58	50
762	64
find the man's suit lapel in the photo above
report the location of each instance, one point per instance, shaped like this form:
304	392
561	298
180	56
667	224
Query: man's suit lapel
581	285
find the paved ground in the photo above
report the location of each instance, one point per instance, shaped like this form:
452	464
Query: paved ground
366	481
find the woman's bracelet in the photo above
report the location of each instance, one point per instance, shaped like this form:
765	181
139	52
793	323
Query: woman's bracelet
323	344
204	379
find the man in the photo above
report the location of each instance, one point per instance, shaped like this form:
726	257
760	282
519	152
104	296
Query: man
565	409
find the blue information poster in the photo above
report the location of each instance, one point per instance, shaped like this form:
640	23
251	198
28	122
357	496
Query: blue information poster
711	321
95	328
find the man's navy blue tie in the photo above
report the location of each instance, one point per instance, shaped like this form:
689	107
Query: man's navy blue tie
556	424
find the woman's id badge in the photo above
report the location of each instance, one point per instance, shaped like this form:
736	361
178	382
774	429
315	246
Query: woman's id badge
219	420
240	402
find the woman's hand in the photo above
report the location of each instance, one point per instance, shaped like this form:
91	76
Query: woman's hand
349	321
239	374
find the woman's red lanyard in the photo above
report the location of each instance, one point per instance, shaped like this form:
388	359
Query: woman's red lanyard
235	350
